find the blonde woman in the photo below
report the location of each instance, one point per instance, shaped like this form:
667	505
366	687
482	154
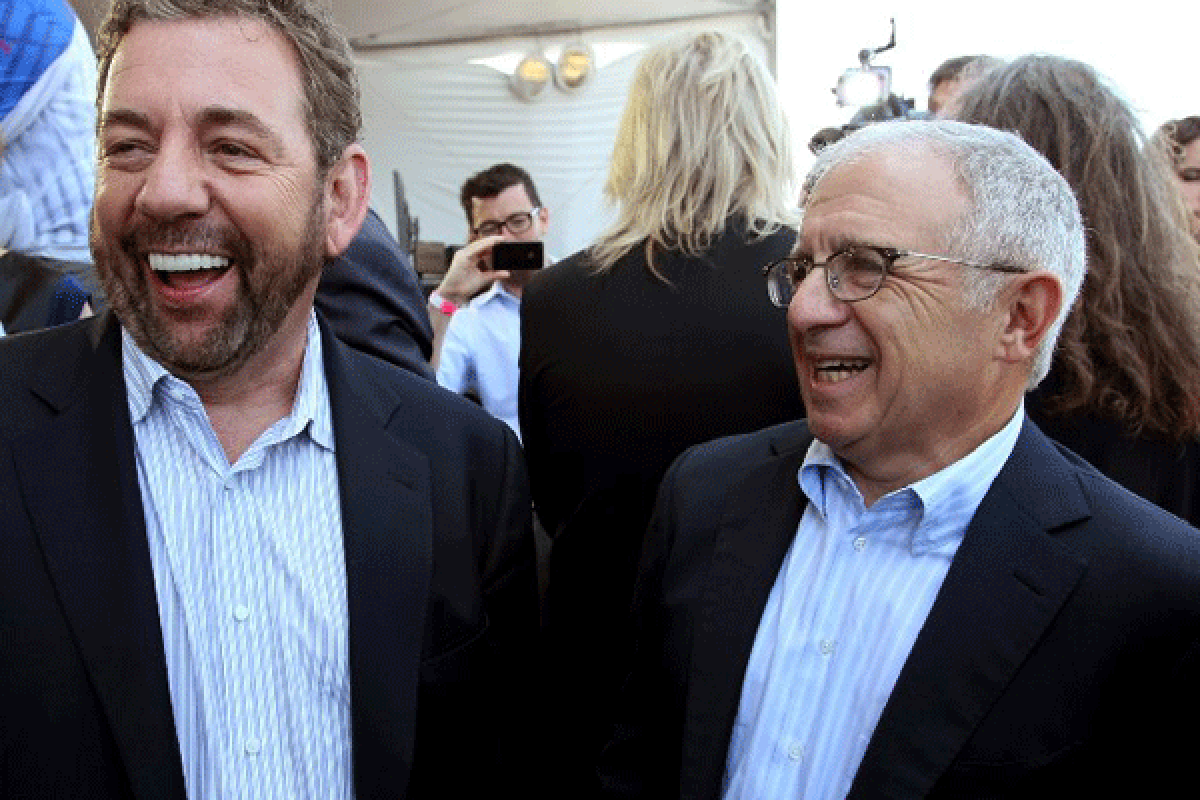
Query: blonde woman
657	337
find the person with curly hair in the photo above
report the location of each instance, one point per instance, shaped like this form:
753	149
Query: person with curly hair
1124	390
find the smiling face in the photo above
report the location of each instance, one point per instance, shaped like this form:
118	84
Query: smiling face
209	228
904	382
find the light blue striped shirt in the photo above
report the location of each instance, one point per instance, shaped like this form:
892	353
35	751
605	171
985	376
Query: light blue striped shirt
481	349
251	583
853	593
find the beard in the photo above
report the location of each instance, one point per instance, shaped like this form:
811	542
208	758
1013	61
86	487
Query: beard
270	280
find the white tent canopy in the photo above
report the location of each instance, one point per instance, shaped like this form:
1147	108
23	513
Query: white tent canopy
434	115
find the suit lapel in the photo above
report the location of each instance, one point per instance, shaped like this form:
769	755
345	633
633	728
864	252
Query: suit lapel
88	517
753	538
387	524
1008	580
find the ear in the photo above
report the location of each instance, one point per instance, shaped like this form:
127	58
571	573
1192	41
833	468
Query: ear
544	218
347	196
1032	303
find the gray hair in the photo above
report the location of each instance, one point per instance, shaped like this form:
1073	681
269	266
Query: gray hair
1020	210
331	91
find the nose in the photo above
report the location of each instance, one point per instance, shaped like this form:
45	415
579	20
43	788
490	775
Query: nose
174	185
814	306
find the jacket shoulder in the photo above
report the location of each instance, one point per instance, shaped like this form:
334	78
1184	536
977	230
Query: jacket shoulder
425	409
729	459
40	369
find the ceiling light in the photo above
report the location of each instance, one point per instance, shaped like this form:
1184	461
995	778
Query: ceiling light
575	67
531	76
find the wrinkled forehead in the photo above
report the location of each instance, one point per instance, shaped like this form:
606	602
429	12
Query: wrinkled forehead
222	54
887	196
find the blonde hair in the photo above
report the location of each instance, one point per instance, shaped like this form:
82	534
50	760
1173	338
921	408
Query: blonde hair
702	139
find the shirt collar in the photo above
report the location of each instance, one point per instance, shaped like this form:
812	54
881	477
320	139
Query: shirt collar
496	290
144	376
943	503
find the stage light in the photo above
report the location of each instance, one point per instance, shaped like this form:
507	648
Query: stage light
863	87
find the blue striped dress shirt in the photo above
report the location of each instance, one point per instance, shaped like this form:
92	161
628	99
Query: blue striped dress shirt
853	593
251	583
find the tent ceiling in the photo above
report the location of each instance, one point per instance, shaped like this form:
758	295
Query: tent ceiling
411	23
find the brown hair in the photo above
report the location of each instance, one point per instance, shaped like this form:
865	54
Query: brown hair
1130	349
491	182
962	67
331	93
1176	134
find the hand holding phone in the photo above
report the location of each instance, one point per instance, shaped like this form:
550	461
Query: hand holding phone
511	255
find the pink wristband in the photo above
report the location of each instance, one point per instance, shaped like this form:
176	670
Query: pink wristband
442	304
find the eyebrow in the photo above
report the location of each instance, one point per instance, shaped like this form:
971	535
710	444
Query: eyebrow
210	117
837	244
123	117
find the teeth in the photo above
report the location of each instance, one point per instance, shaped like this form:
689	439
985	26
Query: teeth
838	371
185	262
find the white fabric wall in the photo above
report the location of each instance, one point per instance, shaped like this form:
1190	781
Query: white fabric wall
437	119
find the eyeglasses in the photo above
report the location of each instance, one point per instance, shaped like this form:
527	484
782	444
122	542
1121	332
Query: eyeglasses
516	224
852	274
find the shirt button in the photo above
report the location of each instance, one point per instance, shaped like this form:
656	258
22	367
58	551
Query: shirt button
860	543
241	612
253	747
827	647
796	752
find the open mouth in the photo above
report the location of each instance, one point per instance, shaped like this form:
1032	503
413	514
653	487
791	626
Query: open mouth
838	370
187	270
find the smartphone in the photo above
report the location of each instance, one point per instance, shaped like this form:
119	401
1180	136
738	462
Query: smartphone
518	255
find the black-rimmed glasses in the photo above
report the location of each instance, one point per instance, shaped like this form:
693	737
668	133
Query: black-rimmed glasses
852	274
516	224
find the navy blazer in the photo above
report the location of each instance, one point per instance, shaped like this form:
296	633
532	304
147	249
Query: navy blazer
370	295
1059	658
439	554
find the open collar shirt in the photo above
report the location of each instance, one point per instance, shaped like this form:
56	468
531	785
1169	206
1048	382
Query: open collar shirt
250	577
851	596
480	352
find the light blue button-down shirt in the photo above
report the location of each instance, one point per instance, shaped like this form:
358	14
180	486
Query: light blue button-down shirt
480	352
251	582
853	593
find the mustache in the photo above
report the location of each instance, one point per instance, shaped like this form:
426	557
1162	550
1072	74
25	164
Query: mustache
200	237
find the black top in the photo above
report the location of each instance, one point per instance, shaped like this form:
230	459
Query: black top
1163	470
620	373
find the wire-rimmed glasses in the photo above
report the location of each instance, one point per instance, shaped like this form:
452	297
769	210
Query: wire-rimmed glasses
852	274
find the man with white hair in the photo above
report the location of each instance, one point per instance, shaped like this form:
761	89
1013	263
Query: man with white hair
913	592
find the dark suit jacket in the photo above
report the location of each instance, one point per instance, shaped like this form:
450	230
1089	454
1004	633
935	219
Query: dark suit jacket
1059	659
371	298
440	581
37	292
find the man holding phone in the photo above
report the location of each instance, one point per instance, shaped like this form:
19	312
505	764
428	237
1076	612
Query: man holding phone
476	310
